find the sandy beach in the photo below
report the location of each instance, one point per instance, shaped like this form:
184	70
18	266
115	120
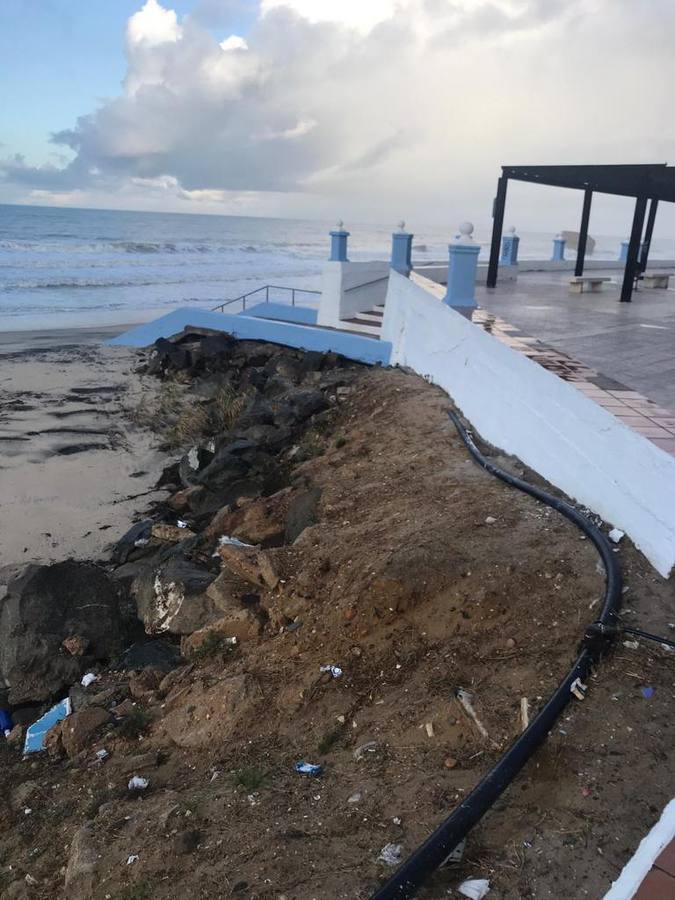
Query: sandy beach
70	456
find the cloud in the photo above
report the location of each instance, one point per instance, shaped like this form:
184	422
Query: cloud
378	108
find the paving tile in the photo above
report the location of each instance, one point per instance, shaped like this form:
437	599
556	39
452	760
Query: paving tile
652	431
664	421
666	859
657	885
667	444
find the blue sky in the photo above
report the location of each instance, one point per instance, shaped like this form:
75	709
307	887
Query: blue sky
370	109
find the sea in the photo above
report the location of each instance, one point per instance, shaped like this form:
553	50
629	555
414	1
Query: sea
65	267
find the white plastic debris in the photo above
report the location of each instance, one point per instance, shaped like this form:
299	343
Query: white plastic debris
181	523
132	859
631	645
474	888
142	542
465	699
88	679
490	520
102	754
390	854
335	671
455	856
578	688
355	797
138	783
616	534
369	747
233	541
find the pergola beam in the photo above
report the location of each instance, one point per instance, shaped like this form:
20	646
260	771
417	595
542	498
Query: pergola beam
583	232
497	227
649	231
631	269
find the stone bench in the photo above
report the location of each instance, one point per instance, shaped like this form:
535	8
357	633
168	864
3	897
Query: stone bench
582	283
656	279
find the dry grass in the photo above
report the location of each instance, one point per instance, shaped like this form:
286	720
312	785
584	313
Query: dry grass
181	422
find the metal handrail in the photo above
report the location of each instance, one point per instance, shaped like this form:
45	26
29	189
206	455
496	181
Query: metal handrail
266	288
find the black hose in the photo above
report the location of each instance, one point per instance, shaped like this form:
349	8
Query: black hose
433	852
648	636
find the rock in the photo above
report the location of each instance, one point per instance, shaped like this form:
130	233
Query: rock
192	463
167	357
261	521
127	543
301	513
157	654
78	728
206	717
17	890
138	763
48	604
143	684
239	623
250	564
16	736
299	406
450	762
170	533
81	877
180	501
76	645
228	591
171	598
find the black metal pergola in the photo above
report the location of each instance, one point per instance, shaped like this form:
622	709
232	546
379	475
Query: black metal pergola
644	182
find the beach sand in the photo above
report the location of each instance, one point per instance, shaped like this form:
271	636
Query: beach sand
70	456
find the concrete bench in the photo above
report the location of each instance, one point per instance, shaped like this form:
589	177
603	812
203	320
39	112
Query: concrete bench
582	283
656	279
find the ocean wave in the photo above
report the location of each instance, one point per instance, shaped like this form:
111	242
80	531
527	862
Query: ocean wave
112	246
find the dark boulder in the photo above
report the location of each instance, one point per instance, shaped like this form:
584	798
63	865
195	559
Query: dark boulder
48	604
126	546
168	357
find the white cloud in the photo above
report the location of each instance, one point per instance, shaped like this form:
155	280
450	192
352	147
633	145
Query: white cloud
234	42
377	109
153	25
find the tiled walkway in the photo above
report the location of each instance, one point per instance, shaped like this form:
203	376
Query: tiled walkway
660	881
653	422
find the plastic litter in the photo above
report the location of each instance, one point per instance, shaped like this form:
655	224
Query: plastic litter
5	721
35	736
455	856
335	671
355	798
490	520
305	768
132	859
615	535
235	542
390	854
181	523
578	688
474	888
102	755
647	692
631	645
88	679
142	542
138	783
369	747
465	699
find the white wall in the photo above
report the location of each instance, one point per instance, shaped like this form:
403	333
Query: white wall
346	289
439	272
517	405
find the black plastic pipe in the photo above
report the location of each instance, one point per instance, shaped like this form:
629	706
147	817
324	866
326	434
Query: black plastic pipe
598	637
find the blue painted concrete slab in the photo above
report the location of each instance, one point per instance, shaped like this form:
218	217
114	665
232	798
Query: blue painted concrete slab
249	328
35	736
303	315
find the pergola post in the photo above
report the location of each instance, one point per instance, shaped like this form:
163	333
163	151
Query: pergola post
633	249
651	218
583	232
497	226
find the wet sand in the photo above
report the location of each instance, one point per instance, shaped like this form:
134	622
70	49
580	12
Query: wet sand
69	455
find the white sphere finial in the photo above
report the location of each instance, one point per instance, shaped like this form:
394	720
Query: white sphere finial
465	233
511	230
401	225
340	224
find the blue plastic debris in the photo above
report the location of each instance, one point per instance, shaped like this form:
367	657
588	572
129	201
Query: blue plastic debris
35	736
305	768
647	692
5	720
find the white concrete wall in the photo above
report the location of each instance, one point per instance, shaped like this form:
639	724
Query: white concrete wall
517	405
346	289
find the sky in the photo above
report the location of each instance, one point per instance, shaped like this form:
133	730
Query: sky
369	110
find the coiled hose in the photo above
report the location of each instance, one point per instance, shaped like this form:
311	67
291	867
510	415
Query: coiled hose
597	639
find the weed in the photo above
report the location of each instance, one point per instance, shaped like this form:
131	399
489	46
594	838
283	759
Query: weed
251	778
340	441
225	408
329	740
101	796
212	643
134	724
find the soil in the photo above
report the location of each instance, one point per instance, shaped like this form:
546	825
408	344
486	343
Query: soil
422	575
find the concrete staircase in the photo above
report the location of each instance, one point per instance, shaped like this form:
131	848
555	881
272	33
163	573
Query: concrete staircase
369	322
